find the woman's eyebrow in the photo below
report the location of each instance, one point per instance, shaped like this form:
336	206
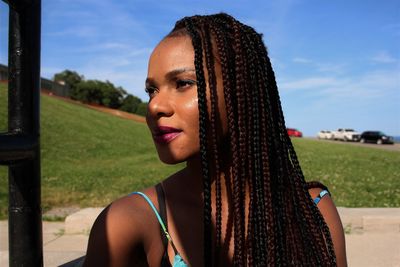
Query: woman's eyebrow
149	81
171	74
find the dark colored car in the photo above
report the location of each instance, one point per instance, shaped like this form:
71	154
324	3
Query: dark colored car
294	132
376	137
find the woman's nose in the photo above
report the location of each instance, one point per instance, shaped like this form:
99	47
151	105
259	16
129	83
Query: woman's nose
160	106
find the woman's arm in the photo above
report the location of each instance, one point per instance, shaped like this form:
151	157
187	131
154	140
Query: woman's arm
332	219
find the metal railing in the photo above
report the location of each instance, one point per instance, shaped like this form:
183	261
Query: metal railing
20	146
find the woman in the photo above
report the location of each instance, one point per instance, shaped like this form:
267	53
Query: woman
241	200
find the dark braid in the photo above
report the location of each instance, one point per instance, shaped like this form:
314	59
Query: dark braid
258	178
238	167
203	121
228	77
243	169
284	227
264	154
316	184
214	124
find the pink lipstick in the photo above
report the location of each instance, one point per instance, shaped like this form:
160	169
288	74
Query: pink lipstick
165	134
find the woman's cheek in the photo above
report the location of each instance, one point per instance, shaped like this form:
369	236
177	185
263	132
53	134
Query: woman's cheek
192	103
190	110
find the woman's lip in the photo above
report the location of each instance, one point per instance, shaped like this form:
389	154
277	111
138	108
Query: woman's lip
166	137
159	130
165	134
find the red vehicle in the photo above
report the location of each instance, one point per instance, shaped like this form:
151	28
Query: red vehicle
294	132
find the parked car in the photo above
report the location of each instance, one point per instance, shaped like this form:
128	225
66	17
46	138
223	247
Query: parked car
324	134
376	137
294	132
346	135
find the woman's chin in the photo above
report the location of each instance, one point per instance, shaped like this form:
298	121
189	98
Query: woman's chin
170	159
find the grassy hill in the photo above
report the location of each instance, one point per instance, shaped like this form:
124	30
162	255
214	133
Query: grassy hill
90	158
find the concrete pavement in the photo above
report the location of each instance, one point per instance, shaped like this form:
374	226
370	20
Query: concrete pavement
372	237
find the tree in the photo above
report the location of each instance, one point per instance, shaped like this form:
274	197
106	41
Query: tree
88	92
98	92
130	103
69	78
142	109
112	97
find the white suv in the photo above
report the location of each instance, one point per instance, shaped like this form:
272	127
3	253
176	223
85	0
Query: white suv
324	134
346	135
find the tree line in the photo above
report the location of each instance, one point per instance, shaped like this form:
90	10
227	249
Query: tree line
100	92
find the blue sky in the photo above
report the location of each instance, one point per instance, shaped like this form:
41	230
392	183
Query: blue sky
337	63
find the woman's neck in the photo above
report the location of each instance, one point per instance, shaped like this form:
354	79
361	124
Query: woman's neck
192	177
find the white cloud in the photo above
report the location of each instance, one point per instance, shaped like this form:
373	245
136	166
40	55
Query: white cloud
48	72
103	48
393	28
383	57
308	83
141	52
81	32
366	86
301	60
330	68
320	67
94	20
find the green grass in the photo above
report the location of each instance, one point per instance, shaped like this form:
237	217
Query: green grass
356	176
90	158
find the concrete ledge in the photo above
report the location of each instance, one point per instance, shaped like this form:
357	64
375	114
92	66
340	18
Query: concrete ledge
370	220
354	220
81	222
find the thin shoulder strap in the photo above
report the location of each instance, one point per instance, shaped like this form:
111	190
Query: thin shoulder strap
163	210
158	218
320	196
324	192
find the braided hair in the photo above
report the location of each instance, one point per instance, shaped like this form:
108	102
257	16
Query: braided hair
284	227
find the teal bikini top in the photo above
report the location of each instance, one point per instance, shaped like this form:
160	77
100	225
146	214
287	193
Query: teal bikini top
178	261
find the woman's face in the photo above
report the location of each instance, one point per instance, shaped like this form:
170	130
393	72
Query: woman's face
173	115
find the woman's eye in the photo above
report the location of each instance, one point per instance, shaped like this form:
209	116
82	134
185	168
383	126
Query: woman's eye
150	91
184	83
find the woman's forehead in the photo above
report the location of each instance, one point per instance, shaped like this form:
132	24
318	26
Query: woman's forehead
177	52
172	52
171	46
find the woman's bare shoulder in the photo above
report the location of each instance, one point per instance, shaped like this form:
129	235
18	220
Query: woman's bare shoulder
326	206
331	216
119	234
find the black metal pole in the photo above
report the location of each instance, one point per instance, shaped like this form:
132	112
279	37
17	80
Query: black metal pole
20	147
